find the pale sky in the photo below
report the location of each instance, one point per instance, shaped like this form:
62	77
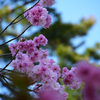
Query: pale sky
73	10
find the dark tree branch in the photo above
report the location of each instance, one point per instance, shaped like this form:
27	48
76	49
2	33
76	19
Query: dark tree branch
7	72
8	87
7	54
19	20
16	36
5	80
18	17
79	45
9	62
27	2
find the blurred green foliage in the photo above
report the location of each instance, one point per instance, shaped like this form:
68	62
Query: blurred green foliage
16	86
59	37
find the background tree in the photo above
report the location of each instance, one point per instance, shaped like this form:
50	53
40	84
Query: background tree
59	37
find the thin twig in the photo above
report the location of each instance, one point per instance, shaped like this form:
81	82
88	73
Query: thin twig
18	16
33	82
10	72
22	6
19	20
79	45
16	36
34	89
9	62
37	87
15	72
7	77
6	81
8	87
7	54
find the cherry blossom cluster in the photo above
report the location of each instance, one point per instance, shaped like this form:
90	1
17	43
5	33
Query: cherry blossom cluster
70	79
46	3
38	16
33	61
29	52
48	93
90	75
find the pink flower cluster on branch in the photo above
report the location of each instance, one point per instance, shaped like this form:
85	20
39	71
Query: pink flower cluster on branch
46	3
38	16
48	93
90	75
33	61
70	79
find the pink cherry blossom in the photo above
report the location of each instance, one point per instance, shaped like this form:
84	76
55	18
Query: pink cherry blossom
46	3
38	16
